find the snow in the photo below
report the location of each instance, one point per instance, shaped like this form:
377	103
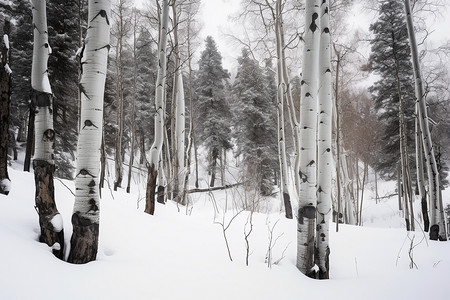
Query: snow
181	254
6	41
5	184
57	222
8	69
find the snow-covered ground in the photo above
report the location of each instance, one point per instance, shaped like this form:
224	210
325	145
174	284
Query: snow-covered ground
181	254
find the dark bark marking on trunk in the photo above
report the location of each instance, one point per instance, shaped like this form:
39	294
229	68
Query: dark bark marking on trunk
287	206
308	212
84	241
46	206
161	194
150	192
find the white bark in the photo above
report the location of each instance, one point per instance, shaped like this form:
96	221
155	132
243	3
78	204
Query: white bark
281	91
437	213
179	114
308	136
40	83
160	89
324	154
94	62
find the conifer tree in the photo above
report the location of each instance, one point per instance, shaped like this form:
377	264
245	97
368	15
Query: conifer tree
254	128
390	51
211	105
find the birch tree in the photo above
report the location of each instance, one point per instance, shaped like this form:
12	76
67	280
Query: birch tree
85	217
308	135
5	99
155	151
50	220
324	141
179	113
437	220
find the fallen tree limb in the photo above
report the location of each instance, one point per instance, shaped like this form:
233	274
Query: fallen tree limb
228	186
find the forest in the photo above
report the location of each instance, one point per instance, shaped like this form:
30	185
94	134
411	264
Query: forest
311	162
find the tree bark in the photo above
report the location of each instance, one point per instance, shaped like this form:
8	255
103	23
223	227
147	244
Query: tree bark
280	119
50	220
437	215
324	154
86	211
155	150
5	99
308	135
133	107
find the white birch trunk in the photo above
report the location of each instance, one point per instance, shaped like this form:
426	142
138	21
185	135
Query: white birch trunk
85	218
437	214
50	220
41	85
324	154
287	93
155	150
420	173
308	137
179	132
281	87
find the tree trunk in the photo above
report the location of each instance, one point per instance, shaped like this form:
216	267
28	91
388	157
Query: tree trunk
213	166
30	137
324	156
133	107
308	134
50	220
5	99
86	211
281	132
430	158
155	150
420	173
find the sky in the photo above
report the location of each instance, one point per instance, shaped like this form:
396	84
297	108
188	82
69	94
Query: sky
215	19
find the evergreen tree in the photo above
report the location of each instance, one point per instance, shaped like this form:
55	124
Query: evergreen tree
255	130
63	29
145	88
390	54
212	108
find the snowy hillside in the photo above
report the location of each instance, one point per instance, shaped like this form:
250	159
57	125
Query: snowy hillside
182	255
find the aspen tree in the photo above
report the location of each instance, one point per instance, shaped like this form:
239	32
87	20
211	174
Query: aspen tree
50	220
155	151
308	136
324	155
86	211
437	221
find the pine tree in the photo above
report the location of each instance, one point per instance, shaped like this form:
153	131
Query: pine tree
390	48
212	108
63	31
254	128
145	88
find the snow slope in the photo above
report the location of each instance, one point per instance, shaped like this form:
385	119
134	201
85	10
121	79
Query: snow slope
182	255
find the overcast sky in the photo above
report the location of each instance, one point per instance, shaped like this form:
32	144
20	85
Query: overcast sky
215	19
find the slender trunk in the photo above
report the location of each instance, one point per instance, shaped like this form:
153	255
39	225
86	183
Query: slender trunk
214	156
50	220
362	192
287	94
5	99
308	135
30	137
430	158
324	141
118	161
85	217
155	150
420	173
133	107
338	138
281	132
